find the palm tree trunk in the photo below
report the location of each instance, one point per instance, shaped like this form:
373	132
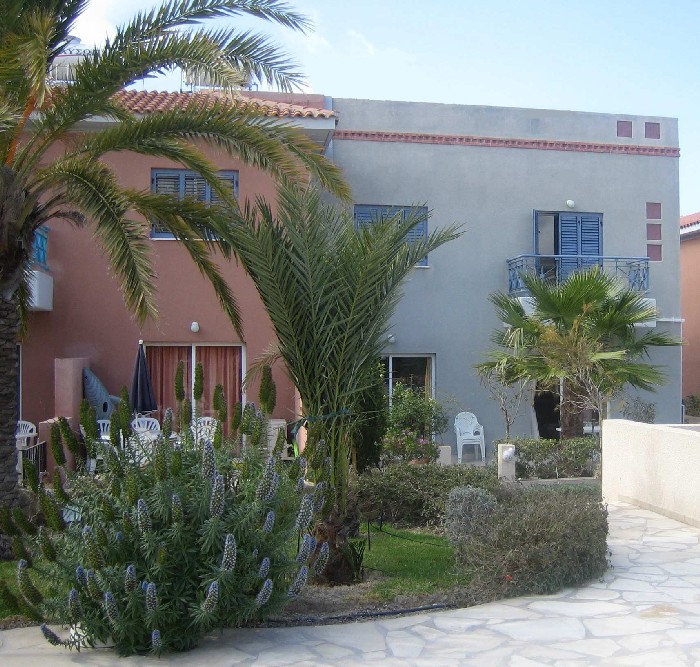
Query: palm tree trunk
9	371
571	418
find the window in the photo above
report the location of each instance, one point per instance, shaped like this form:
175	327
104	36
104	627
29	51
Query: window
181	183
653	210
412	371
367	214
652	130
624	128
222	365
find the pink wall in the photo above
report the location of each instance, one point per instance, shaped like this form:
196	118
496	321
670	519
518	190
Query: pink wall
690	310
89	317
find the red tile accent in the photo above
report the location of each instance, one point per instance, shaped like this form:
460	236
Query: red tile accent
653	231
624	128
653	210
654	252
497	142
652	130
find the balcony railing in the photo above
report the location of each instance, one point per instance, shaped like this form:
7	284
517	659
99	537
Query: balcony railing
632	271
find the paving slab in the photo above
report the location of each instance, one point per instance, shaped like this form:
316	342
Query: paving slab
645	612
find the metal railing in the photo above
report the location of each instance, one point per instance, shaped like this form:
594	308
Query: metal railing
633	271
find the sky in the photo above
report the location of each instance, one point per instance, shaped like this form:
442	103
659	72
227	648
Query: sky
637	57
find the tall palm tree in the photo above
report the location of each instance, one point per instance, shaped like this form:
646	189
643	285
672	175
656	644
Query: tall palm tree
74	185
582	333
329	290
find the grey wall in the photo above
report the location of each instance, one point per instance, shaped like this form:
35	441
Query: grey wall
492	192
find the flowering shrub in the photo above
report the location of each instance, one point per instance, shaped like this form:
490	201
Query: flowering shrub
169	542
406	445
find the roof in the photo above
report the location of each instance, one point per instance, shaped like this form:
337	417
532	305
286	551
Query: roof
690	224
144	102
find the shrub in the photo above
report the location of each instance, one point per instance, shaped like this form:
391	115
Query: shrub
467	510
692	405
415	495
412	410
548	459
536	542
170	542
408	446
637	410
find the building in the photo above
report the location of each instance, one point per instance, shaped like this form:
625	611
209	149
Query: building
690	272
535	189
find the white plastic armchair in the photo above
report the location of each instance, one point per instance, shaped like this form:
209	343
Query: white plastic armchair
25	435
469	431
204	428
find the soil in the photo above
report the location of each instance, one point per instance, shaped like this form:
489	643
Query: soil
323	605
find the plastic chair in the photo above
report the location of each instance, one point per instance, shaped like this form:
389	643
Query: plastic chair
25	437
204	428
469	431
25	434
143	425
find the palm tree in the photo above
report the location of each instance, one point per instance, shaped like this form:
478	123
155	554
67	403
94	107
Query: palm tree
77	187
329	290
582	333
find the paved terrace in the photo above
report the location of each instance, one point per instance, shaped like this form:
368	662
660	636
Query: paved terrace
645	612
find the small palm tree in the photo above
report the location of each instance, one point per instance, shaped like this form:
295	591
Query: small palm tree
329	290
74	185
582	333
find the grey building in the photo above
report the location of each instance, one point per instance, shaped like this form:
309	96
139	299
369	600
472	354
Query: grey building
534	189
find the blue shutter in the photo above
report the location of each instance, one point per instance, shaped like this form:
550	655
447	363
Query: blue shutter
365	215
568	244
590	239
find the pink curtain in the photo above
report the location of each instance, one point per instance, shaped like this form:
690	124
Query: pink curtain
222	365
162	364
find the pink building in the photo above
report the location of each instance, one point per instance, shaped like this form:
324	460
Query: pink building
690	309
79	311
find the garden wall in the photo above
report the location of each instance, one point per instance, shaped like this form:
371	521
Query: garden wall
653	466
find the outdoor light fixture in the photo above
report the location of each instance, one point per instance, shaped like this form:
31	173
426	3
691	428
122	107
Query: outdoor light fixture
391	339
570	203
194	327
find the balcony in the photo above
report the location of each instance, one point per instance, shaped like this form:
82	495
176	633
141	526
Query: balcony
633	272
40	281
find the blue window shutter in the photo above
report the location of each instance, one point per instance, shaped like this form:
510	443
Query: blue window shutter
366	214
590	235
568	235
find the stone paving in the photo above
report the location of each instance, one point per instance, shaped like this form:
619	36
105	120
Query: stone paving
645	612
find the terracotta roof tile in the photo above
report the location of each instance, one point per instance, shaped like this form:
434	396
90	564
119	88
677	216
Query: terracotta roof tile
688	220
143	102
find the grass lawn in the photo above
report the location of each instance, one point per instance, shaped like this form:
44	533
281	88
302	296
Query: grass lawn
413	563
8	574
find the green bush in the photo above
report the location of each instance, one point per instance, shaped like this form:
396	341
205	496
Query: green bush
692	405
415	495
536	541
408	446
412	410
467	511
170	542
549	459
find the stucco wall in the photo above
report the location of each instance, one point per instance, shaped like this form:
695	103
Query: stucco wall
690	289
653	466
90	319
492	192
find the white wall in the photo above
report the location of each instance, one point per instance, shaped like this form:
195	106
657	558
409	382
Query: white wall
653	466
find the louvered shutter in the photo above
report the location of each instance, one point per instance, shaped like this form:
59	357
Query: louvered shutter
195	187
165	183
365	215
568	244
230	182
590	239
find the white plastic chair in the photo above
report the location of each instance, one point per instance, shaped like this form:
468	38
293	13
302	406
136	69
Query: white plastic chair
469	431
103	426
145	425
204	428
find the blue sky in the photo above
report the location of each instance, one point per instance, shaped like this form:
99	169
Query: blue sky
612	56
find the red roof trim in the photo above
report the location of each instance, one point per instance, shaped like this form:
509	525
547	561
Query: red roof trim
496	142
